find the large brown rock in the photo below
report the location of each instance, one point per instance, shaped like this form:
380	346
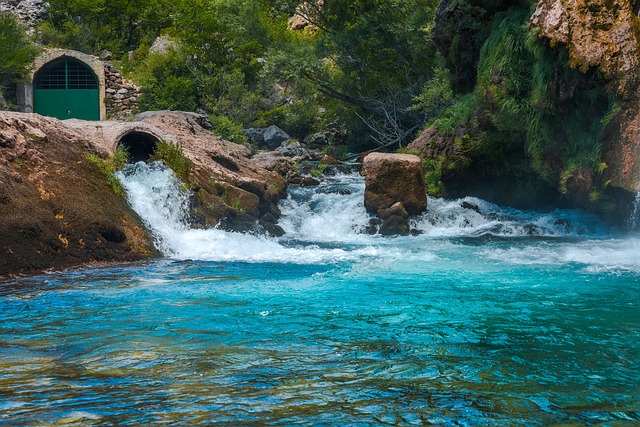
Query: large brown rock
392	178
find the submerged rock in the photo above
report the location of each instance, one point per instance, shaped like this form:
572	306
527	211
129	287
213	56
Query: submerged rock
393	178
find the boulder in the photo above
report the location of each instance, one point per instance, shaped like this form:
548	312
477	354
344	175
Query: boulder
393	178
274	137
162	45
106	55
293	149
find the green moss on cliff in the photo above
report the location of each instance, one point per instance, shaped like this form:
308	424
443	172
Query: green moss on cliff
530	114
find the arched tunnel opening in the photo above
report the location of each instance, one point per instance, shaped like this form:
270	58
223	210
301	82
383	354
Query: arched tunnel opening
139	145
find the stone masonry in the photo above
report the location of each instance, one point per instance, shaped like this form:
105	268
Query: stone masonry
121	95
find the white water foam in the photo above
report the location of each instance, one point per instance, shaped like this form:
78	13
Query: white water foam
473	217
612	255
156	195
333	212
326	224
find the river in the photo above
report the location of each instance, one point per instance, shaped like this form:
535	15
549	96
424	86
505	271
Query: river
489	317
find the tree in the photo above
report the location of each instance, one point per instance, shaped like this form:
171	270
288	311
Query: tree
373	54
16	52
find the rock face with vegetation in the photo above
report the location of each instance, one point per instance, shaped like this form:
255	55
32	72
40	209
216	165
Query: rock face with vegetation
544	111
61	205
57	208
604	36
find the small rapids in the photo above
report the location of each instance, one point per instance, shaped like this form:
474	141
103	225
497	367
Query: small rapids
328	223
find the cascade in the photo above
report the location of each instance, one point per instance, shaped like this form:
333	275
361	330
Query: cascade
632	223
327	223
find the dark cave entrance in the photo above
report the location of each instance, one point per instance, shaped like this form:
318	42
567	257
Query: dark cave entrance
139	145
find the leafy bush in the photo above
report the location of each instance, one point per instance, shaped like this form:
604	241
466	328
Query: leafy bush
172	156
16	51
167	83
225	128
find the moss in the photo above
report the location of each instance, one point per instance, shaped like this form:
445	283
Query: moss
108	167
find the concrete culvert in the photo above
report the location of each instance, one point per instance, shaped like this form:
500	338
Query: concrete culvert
139	145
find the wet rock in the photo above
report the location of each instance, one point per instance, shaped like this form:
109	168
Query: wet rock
373	226
396	210
470	206
532	230
394	226
342	168
392	178
294	178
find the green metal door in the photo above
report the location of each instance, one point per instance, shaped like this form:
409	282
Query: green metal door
65	89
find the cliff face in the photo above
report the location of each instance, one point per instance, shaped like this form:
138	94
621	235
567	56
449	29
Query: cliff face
553	108
604	34
597	33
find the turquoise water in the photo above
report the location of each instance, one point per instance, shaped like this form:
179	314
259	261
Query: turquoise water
498	318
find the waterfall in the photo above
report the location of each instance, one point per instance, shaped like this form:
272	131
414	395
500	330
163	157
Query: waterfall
159	198
632	223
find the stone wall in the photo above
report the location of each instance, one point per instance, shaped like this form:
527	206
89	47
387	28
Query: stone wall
121	95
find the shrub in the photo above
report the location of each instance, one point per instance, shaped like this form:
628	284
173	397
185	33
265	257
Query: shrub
172	156
16	51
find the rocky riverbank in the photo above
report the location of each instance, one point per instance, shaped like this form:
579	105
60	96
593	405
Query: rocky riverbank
60	210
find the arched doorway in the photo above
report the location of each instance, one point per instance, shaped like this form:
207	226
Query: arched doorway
139	145
66	88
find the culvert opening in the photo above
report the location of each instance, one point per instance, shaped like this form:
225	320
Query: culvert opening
139	145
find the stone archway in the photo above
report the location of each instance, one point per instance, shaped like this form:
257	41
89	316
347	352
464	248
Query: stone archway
140	145
70	72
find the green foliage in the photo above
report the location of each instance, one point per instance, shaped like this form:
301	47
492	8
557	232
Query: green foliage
166	83
433	176
109	166
457	114
120	157
436	94
172	156
226	129
94	25
16	51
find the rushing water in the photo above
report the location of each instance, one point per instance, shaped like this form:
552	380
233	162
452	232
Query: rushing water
490	317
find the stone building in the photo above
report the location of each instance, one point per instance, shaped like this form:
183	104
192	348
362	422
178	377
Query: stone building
69	84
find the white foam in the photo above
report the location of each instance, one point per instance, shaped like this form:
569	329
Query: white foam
613	255
326	224
156	195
